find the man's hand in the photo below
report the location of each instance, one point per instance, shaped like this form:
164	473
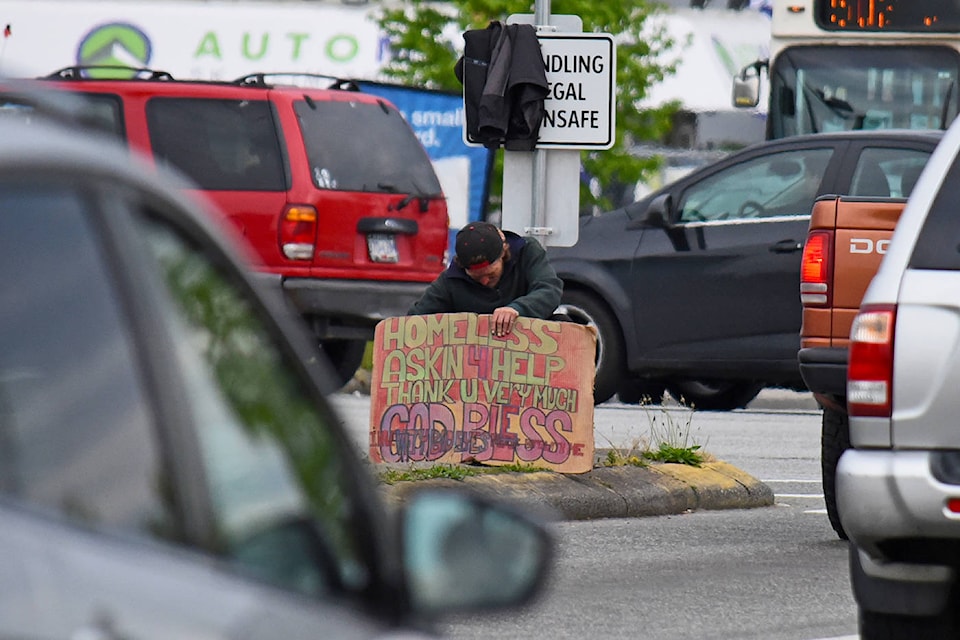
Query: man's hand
503	320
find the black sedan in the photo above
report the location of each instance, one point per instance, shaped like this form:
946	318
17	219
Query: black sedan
693	288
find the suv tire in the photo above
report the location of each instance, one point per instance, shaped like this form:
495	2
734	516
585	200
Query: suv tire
834	440
891	610
585	309
887	626
345	357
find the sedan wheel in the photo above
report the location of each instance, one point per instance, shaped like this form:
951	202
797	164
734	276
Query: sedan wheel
714	395
583	308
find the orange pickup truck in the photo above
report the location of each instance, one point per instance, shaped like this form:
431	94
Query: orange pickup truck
846	240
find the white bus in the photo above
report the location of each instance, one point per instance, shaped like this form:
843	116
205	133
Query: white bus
857	64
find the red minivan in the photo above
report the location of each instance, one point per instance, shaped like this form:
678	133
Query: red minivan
329	185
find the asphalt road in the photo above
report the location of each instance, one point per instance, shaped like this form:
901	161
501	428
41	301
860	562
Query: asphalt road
772	573
776	573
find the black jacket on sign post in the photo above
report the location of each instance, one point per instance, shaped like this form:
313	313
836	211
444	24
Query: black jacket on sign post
504	85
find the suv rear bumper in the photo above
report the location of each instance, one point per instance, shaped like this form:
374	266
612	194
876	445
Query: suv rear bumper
903	540
356	303
824	369
885	495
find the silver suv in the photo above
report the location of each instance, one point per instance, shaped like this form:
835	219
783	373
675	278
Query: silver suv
898	488
169	464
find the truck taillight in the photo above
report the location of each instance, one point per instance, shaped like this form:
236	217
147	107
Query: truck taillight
298	231
870	367
816	269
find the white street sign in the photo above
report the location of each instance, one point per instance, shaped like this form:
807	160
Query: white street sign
581	106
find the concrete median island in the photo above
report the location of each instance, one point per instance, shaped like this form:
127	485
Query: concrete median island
624	491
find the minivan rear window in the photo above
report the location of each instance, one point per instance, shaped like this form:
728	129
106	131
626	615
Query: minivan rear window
222	145
361	146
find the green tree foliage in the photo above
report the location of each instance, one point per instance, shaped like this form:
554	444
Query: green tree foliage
425	38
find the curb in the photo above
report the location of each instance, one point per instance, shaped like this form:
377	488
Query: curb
610	492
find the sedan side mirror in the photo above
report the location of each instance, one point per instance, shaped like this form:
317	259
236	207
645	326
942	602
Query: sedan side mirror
658	214
462	552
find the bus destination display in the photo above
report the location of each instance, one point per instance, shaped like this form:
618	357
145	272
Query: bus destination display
934	16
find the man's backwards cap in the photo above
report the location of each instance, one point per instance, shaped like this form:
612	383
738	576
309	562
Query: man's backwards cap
478	245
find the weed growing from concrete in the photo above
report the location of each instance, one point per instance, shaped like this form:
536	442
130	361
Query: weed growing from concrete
631	456
677	455
450	471
669	440
520	467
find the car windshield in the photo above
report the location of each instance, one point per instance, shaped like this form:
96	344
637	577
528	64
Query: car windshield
818	89
361	146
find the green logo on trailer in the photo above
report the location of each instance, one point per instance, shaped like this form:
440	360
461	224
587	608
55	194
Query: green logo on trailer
114	45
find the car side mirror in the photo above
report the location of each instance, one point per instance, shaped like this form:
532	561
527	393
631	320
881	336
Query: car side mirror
658	214
462	552
746	85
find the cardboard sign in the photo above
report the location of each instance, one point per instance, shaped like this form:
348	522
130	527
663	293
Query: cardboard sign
446	390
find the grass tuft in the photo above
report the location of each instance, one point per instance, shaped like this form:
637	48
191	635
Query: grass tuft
450	471
677	455
669	440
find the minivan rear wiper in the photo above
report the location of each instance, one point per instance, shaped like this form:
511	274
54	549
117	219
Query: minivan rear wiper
417	194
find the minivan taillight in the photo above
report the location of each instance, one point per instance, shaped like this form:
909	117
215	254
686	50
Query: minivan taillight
870	366
298	231
816	269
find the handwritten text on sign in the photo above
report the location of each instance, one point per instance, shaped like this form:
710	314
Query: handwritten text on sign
445	389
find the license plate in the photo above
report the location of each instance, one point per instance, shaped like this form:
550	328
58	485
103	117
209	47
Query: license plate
382	247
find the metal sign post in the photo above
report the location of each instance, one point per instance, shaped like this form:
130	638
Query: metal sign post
541	189
538	228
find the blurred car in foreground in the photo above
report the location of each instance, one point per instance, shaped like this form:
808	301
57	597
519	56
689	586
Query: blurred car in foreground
693	289
169	465
898	487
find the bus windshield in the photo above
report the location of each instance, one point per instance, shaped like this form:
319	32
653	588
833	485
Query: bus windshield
833	88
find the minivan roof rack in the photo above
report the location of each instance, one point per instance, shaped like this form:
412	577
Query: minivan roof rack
81	72
302	80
